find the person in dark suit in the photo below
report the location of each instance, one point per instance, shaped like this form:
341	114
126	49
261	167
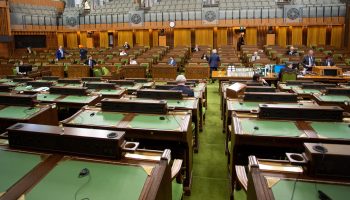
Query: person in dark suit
240	42
291	51
196	48
309	61
181	85
329	61
204	57
213	61
82	52
60	53
287	69
91	63
126	46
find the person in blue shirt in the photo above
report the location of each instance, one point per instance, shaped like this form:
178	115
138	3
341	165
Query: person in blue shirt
60	53
181	85
172	62
214	60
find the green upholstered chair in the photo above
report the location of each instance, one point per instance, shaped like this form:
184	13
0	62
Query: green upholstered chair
124	61
118	65
97	72
105	71
288	76
204	64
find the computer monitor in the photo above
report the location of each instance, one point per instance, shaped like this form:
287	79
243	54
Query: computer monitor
277	68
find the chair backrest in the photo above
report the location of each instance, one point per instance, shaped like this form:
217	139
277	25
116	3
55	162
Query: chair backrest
164	72
288	76
134	71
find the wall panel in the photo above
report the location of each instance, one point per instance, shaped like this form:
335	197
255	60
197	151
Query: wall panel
204	37
142	37
60	41
125	36
337	36
316	35
103	39
282	36
251	36
72	40
83	39
155	38
182	37
297	35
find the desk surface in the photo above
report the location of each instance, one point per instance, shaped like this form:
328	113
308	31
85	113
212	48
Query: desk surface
333	98
188	103
57	98
279	128
18	112
130	120
14	165
222	75
105	181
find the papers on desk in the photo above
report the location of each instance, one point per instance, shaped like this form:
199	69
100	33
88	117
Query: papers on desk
41	89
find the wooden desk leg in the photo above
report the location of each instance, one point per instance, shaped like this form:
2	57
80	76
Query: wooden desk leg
196	119
188	171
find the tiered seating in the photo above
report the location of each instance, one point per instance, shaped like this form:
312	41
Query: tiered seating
116	6
169	5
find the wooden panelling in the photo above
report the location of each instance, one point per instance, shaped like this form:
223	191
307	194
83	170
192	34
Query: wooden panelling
251	36
297	35
182	37
221	37
316	35
155	36
72	40
142	37
337	36
60	40
204	37
103	39
282	36
125	36
83	38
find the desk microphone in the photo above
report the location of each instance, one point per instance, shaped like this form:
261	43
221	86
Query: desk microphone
92	114
84	172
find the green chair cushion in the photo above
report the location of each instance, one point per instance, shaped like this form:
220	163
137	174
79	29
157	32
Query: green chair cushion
105	71
177	190
97	72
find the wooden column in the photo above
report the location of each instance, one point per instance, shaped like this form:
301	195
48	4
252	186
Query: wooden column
6	41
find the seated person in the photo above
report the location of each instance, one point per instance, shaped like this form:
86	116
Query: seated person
196	48
204	57
123	53
329	61
287	69
291	51
308	61
255	57
126	45
180	82
172	61
133	61
257	79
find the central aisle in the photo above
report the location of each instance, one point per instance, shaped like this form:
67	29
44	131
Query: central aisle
210	180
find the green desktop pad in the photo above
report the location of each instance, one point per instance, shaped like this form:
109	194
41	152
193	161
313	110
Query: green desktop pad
156	122
14	165
287	87
332	129
18	112
68	85
76	99
130	87
104	182
3	80
110	92
10	83
197	94
185	103
47	97
302	190
334	98
245	106
308	91
98	118
270	128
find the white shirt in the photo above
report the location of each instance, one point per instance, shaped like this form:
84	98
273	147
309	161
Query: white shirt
310	61
123	53
133	62
62	53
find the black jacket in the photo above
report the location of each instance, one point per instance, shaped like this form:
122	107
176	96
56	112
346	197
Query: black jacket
93	63
305	62
83	54
330	61
185	90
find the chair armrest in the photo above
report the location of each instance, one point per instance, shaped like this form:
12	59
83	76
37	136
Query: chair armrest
175	169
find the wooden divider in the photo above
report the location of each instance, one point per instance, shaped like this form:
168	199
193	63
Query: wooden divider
182	37
297	35
125	36
251	36
104	39
142	37
204	36
337	36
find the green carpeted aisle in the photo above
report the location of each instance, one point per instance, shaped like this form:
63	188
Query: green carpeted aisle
210	180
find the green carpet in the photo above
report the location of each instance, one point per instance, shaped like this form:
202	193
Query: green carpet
210	176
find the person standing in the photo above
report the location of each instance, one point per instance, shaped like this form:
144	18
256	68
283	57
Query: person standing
83	52
91	63
214	60
309	61
240	42
60	53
